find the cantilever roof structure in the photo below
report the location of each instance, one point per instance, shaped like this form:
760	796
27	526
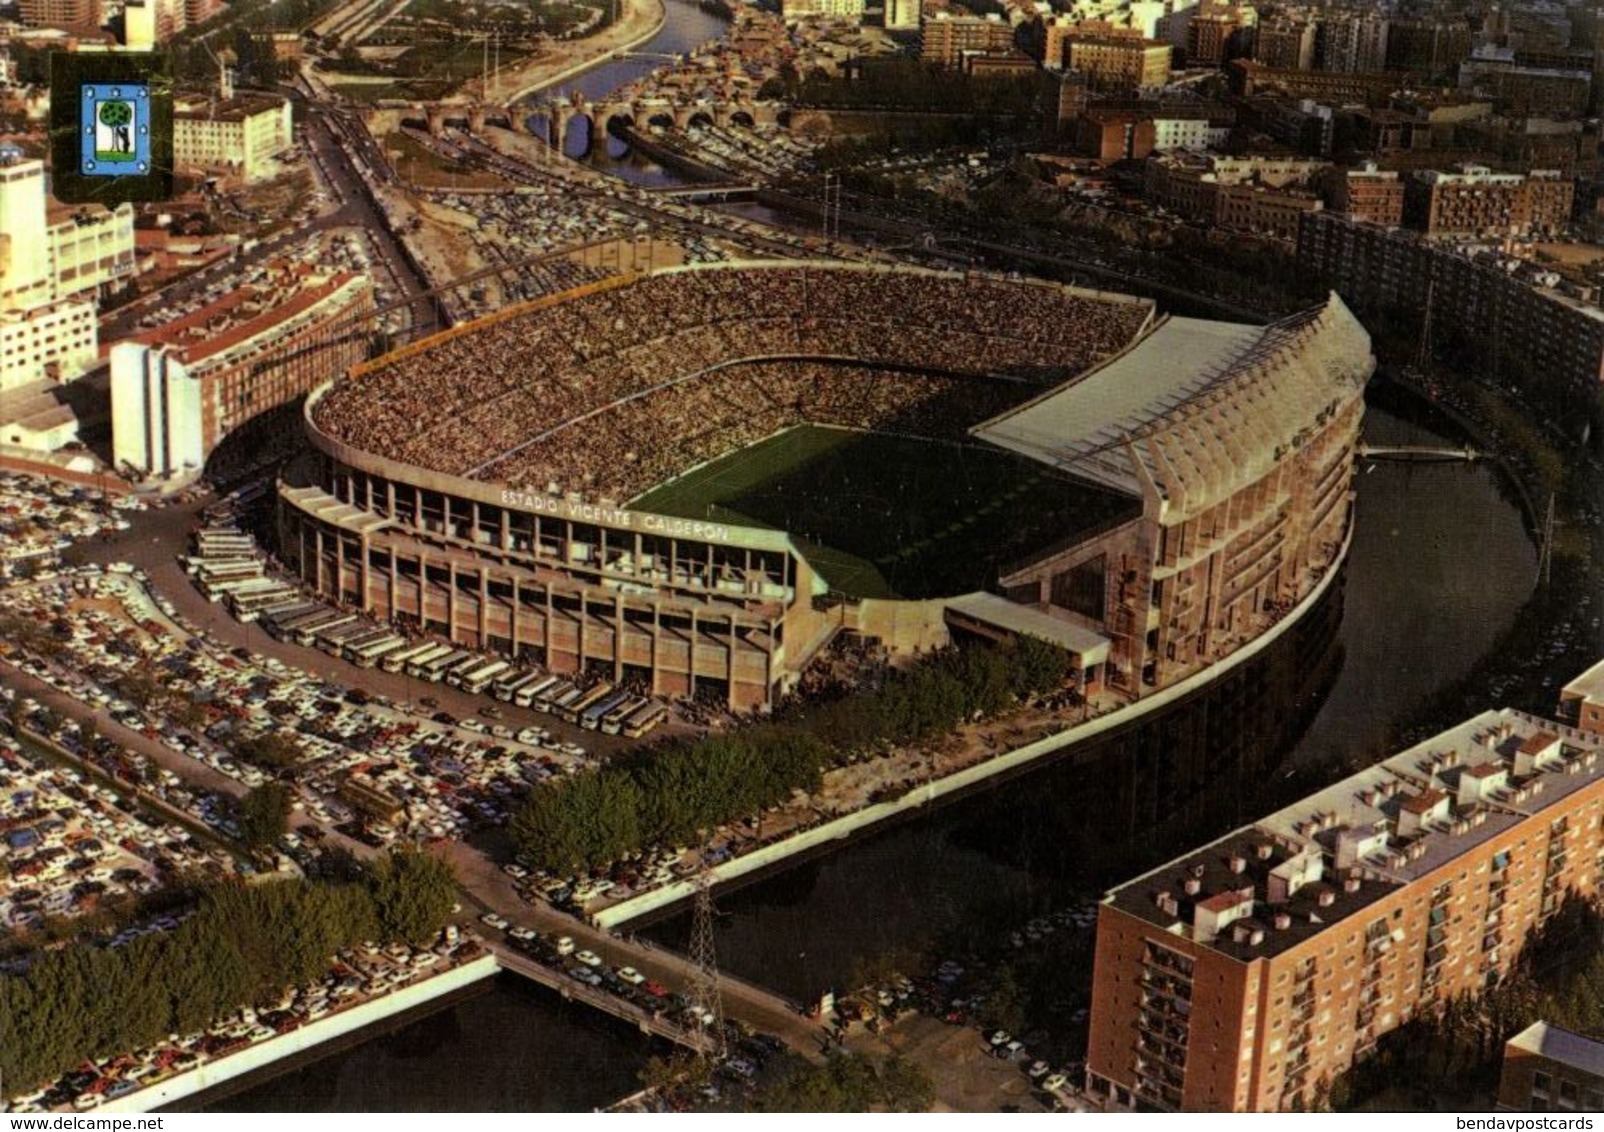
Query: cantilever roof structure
1195	409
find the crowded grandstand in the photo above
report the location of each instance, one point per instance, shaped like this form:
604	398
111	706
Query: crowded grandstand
488	484
609	389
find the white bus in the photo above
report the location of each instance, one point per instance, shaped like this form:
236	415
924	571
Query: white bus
526	694
508	683
645	719
397	660
440	665
308	633
371	653
218	590
419	664
217	569
474	679
248	605
289	628
613	722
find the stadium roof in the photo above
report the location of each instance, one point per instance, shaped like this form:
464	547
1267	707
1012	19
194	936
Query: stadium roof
1011	617
331	509
1196	409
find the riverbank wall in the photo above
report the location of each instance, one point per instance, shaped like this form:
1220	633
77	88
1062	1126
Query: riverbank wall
961	781
214	1073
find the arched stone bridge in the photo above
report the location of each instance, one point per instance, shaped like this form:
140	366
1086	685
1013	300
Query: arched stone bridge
474	117
644	112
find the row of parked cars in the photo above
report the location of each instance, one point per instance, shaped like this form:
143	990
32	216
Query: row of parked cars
39	518
67	844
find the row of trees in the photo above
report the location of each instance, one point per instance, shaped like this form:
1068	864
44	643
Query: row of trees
685	789
245	944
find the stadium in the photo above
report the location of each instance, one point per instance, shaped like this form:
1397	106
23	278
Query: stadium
692	480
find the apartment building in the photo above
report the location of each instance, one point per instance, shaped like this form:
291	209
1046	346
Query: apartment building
1237	977
1368	194
946	38
240	136
1475	201
1248	194
1285	41
1111	57
1520	318
1352	42
178	390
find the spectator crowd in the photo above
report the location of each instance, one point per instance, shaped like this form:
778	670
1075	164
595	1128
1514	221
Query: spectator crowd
612	387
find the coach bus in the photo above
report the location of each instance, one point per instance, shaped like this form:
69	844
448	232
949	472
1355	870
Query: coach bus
645	720
306	635
508	683
475	679
613	722
216	569
525	696
276	618
285	628
369	633
218	590
575	707
591	718
547	700
436	669
397	660
415	665
332	639
374	651
225	546
477	682
248	605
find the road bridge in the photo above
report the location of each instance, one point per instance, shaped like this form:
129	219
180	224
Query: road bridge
655	1024
643	112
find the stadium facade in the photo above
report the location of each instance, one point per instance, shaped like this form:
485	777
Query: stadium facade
477	484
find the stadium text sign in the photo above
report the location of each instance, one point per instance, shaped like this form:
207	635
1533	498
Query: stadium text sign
614	516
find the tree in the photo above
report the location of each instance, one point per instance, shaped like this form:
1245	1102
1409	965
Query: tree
412	895
264	815
275	751
905	1087
117	116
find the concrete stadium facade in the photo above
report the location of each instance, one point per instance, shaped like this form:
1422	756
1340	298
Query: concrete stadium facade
1226	534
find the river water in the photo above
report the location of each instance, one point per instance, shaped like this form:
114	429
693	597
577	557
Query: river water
1440	565
685	27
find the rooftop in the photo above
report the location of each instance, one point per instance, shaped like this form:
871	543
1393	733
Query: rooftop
235	109
1588	686
1196	408
243	314
1330	855
1561	1045
1012	617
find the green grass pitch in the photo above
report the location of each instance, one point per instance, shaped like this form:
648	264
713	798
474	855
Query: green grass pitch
890	516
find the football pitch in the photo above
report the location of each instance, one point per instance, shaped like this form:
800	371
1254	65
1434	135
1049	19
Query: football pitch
890	516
